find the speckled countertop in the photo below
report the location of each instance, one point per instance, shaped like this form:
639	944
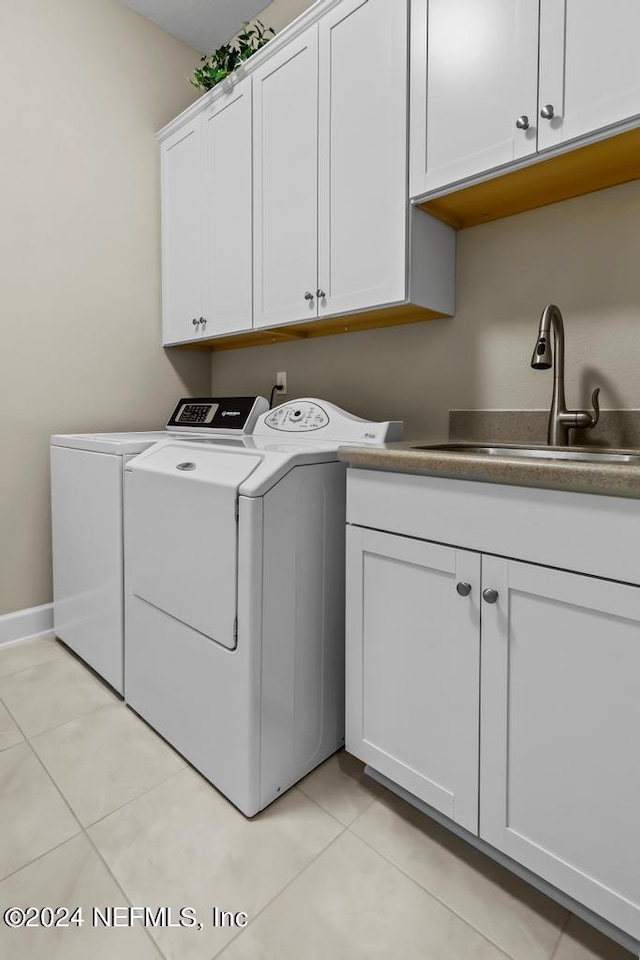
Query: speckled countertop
608	479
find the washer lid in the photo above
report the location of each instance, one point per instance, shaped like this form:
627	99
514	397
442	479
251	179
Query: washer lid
120	443
183	535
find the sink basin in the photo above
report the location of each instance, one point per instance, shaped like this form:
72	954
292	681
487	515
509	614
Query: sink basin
581	454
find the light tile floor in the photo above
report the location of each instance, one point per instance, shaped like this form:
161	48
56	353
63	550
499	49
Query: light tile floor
97	811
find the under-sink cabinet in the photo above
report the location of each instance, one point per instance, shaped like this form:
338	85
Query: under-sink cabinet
497	82
500	692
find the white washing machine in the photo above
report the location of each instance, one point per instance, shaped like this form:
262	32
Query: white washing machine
235	596
87	473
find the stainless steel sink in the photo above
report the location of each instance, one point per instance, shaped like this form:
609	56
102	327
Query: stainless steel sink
581	454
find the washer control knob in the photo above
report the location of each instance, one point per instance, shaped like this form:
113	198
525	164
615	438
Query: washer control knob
187	465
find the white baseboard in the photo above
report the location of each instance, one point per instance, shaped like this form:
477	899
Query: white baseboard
26	623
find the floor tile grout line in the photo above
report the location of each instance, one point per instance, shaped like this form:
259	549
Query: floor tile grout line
138	796
289	883
32	666
65	653
61	653
269	902
57	788
27	740
297	787
56	726
120	887
562	933
317	802
442	902
40	856
41	733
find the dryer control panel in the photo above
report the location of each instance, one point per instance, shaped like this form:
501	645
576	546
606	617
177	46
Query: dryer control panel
206	415
297	417
323	421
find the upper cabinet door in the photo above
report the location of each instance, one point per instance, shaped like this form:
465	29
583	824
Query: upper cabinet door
413	667
474	74
182	233
286	183
589	66
560	777
228	197
363	155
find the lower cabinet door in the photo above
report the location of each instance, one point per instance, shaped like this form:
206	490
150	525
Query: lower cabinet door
560	769
413	653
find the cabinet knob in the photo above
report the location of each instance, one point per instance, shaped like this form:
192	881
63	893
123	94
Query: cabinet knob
320	294
522	123
547	112
194	322
463	588
490	596
308	295
202	320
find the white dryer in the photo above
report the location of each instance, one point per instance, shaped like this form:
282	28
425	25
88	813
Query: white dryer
87	473
235	596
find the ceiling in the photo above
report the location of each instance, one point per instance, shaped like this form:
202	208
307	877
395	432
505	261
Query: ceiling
205	24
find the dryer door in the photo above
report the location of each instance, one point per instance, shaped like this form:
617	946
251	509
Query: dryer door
182	537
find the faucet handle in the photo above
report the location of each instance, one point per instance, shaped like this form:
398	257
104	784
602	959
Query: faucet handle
596	408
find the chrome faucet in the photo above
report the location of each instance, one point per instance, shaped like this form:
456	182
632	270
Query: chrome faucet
561	420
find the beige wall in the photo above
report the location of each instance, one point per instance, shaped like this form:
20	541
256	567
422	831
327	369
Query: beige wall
85	86
281	12
582	254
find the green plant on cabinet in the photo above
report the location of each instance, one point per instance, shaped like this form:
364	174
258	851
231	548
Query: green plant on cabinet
218	65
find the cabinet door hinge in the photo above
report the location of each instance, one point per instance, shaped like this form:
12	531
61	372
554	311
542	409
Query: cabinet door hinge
235	630
237	509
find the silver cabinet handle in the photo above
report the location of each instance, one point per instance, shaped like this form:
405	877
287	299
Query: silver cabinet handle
308	295
490	596
522	123
320	294
547	112
463	588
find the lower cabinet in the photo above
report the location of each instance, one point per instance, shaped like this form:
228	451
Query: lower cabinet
533	671
560	770
413	661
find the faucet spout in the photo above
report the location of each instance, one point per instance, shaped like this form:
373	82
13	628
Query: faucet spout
545	356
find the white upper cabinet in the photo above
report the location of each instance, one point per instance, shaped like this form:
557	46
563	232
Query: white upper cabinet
284	190
363	155
228	305
182	233
286	183
473	75
497	82
589	66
